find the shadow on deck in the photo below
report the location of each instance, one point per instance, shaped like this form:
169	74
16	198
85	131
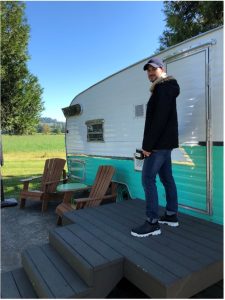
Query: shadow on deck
94	250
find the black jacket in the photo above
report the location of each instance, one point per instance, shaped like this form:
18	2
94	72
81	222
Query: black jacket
161	126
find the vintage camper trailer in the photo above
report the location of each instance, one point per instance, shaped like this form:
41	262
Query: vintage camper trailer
105	123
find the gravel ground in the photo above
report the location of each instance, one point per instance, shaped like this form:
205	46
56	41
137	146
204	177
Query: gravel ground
21	228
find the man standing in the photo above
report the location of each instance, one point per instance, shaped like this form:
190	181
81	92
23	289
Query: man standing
160	137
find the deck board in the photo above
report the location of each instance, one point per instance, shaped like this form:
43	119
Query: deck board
162	266
143	251
137	203
117	241
92	257
16	284
168	248
191	232
50	275
173	236
53	279
9	287
70	277
206	228
151	250
107	252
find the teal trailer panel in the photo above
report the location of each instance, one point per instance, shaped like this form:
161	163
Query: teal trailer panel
190	179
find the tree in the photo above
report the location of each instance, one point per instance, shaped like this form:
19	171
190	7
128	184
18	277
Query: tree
56	129
20	91
46	129
63	129
39	128
185	19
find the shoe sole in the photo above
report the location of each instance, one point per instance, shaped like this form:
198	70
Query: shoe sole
172	224
157	232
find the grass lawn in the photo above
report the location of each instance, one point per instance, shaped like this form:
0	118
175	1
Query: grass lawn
24	156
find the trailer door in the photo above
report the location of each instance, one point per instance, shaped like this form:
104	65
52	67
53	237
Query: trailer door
193	176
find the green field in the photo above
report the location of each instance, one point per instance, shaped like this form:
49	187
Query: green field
33	143
24	156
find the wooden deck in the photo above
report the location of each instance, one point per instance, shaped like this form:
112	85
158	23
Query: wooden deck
94	250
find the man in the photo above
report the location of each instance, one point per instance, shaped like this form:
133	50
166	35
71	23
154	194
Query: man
160	137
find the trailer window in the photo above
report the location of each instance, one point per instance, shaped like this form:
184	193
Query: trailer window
95	130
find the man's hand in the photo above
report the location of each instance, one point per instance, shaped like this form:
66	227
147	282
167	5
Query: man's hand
146	153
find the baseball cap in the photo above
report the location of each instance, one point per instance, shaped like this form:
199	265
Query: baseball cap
154	62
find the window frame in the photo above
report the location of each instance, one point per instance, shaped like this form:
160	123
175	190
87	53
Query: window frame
95	122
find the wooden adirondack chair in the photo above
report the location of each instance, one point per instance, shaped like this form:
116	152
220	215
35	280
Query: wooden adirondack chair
53	170
98	193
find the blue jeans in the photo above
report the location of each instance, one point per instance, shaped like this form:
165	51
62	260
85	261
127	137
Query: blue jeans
159	162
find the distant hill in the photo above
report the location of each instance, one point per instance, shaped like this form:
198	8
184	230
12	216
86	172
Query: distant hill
47	120
47	125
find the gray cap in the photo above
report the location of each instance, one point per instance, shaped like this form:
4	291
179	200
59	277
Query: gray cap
154	62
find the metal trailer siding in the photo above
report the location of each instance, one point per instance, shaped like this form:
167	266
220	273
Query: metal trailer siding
114	99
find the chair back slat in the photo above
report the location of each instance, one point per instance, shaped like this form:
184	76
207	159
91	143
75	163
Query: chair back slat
101	184
53	170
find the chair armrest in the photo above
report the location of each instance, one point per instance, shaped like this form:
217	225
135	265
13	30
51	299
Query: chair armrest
109	196
82	201
30	179
69	194
26	182
82	189
57	181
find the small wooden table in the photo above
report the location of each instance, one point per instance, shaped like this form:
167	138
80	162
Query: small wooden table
69	188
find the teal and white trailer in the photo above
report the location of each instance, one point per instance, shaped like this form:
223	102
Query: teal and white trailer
105	123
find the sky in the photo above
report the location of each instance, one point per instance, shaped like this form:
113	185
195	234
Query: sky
75	44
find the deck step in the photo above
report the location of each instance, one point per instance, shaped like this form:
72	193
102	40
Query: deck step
50	275
16	285
98	264
177	264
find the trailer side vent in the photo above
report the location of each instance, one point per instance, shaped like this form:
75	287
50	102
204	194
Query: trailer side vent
73	110
139	110
95	132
